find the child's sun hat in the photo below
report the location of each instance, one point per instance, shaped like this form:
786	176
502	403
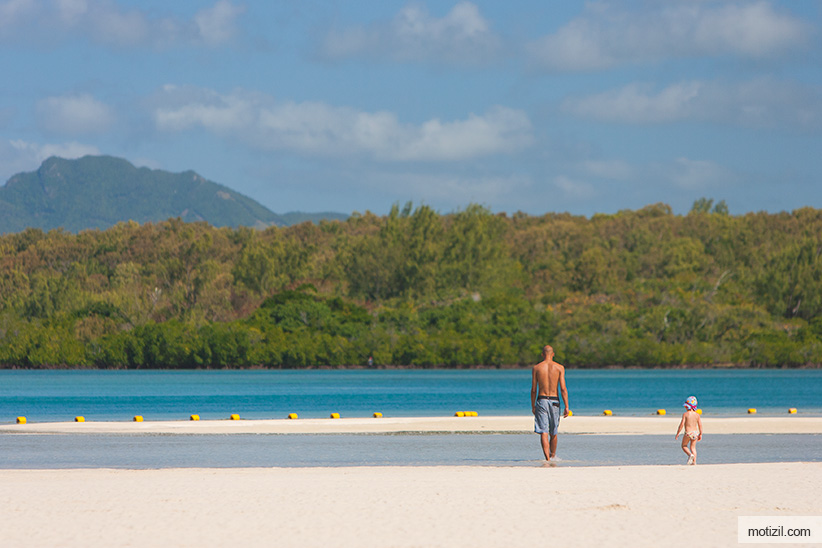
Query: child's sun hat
690	403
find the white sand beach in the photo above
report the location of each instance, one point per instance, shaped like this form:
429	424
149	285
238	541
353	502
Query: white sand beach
398	506
789	424
640	506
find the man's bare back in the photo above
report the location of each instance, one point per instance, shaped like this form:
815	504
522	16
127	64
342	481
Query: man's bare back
548	379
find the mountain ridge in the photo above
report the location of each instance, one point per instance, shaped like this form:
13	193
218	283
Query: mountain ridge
96	192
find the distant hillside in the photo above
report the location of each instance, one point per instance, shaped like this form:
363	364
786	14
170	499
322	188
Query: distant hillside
100	191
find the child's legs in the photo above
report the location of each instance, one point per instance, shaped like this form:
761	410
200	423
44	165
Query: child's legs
693	447
685	440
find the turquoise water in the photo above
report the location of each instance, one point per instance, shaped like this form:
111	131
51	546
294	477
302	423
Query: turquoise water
46	396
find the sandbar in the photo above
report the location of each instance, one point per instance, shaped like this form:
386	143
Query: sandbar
791	424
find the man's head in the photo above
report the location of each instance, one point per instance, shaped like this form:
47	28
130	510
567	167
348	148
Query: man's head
547	351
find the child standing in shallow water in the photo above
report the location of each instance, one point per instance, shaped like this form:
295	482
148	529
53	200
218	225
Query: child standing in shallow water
692	423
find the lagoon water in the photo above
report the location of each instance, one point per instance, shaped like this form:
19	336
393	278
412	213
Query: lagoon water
150	451
48	396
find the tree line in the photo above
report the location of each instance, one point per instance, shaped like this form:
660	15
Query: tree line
420	288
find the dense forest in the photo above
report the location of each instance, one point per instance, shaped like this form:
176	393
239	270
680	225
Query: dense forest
415	287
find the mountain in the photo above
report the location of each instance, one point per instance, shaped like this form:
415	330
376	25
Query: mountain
100	191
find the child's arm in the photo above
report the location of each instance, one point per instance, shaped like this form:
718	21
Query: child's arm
699	423
681	424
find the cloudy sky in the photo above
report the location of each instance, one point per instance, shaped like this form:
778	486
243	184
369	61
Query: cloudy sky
348	106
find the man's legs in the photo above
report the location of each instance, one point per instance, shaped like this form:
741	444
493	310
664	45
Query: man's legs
549	445
545	439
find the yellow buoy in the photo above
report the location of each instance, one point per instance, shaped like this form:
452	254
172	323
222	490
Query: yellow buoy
792	411
570	413
459	414
661	412
752	411
699	411
194	418
335	415
234	417
138	418
79	419
21	420
293	416
377	415
607	412
473	414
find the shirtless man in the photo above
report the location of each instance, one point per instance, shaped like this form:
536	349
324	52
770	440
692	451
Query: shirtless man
547	377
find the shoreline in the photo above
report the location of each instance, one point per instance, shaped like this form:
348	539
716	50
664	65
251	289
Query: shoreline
364	507
653	425
677	367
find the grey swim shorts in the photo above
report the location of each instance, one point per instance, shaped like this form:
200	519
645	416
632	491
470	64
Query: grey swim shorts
546	418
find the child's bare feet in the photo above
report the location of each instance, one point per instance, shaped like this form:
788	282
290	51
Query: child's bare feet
691	459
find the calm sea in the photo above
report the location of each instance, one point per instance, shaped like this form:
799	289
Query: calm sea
46	396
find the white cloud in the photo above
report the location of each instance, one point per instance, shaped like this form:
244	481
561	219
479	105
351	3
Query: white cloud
637	103
315	128
463	35
609	169
760	103
574	188
74	115
216	25
698	174
607	36
105	22
12	12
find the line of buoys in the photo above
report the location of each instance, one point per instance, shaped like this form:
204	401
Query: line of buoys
466	414
377	415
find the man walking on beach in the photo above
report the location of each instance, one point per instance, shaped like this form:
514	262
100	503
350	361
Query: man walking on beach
547	379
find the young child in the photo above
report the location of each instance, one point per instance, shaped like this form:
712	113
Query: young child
692	422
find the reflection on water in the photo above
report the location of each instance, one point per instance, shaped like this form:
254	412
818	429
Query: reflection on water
146	451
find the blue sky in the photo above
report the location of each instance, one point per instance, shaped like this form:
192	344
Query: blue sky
585	107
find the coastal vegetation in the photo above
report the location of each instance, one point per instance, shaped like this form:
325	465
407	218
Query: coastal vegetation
415	287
